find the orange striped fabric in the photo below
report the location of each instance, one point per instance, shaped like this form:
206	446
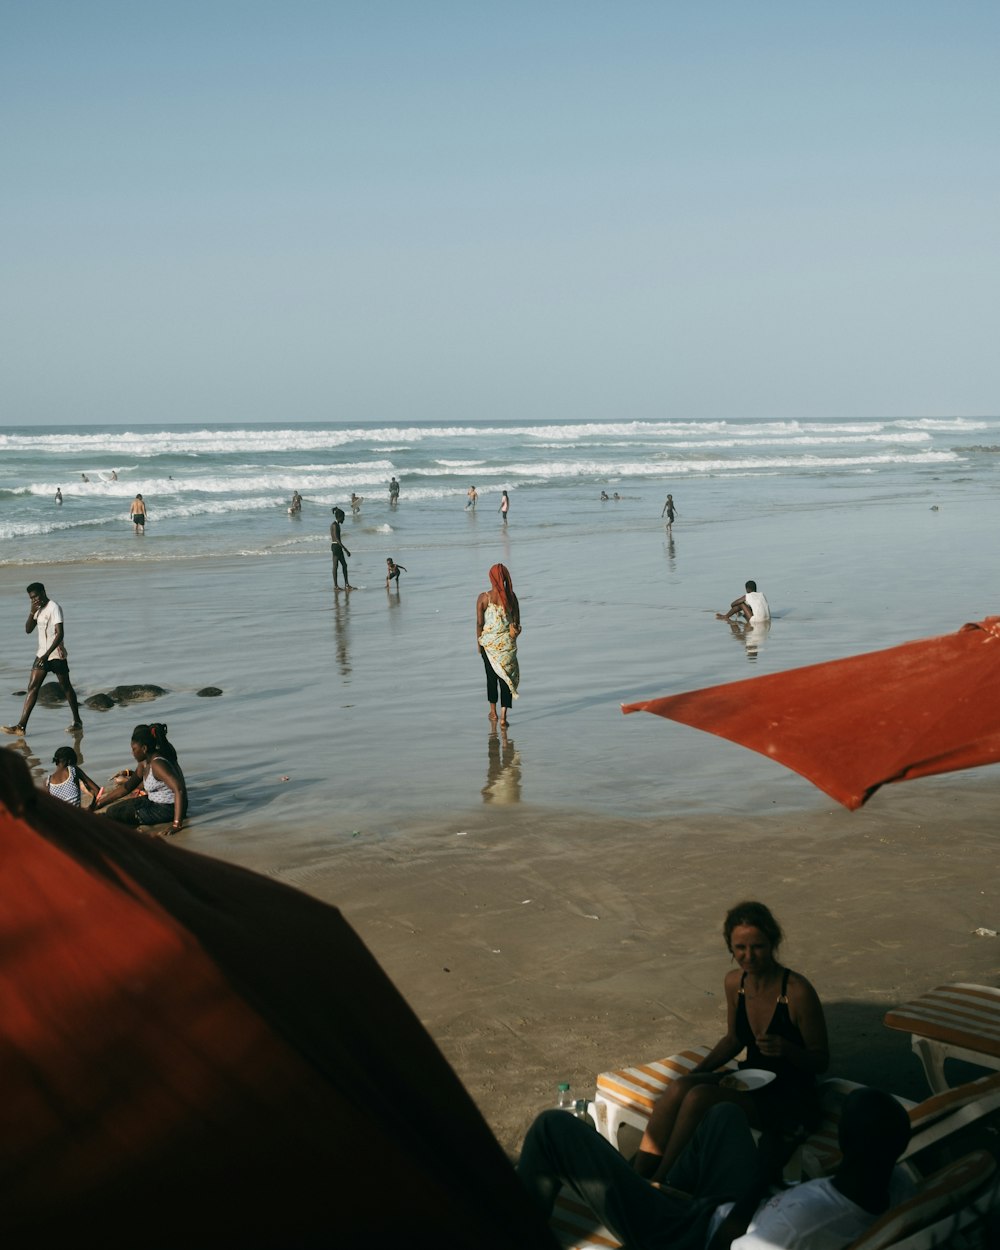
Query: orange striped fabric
575	1225
961	1015
639	1087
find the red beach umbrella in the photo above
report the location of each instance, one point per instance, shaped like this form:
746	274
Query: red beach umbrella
195	1055
850	726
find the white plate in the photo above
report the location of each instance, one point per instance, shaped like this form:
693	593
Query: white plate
753	1078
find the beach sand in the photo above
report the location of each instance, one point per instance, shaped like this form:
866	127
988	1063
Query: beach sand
550	906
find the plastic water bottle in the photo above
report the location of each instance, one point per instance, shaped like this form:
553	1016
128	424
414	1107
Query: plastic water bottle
565	1100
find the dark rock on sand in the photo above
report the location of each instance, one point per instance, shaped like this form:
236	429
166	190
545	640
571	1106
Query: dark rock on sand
209	692
51	695
99	702
135	694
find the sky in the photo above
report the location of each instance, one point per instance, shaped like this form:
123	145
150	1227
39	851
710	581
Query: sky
382	211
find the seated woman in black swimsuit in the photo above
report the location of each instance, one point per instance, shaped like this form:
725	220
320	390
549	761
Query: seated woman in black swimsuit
776	1016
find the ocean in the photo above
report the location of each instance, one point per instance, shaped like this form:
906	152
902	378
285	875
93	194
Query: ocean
224	491
359	714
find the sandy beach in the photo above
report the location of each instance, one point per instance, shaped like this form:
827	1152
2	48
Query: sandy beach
550	904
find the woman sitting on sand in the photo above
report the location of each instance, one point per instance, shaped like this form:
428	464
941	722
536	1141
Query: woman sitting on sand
164	791
776	1015
67	777
498	623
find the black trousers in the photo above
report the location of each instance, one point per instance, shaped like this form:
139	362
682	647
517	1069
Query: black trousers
493	682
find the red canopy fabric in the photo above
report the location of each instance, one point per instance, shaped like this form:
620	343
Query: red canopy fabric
194	1055
850	726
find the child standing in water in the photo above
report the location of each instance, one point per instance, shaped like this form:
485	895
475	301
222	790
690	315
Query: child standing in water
393	572
65	779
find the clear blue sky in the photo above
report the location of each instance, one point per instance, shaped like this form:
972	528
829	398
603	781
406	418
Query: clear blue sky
368	210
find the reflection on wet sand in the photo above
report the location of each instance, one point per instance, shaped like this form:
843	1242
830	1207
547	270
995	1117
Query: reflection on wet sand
503	772
751	636
671	549
342	630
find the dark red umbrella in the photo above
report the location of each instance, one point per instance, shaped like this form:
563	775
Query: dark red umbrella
850	726
194	1055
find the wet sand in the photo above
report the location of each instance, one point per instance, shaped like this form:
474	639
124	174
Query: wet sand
549	905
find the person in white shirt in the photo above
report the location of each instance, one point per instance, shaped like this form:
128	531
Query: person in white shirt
712	1197
752	606
46	616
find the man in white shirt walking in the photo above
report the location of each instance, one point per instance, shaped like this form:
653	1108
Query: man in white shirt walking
45	616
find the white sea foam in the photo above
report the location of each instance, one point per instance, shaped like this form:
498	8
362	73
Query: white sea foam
109	448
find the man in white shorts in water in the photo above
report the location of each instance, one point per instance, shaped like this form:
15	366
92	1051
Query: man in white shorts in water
752	606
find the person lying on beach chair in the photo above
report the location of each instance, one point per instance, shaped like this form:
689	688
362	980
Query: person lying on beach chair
716	1195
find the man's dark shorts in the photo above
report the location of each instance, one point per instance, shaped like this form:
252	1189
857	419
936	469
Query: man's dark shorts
59	667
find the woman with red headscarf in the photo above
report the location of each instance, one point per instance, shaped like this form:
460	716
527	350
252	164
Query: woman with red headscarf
498	623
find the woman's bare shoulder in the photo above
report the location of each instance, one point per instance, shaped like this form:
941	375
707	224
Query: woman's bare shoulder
798	984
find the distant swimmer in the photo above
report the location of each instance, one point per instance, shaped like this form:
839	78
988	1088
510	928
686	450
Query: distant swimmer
296	504
114	476
138	515
85	478
669	510
752	606
616	495
393	491
45	616
356	502
604	496
393	571
471	495
58	495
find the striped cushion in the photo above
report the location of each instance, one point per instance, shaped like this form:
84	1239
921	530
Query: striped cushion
638	1088
962	1014
940	1194
574	1224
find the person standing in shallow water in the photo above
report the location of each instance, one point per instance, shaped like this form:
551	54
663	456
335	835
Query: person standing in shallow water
498	624
338	550
46	616
504	506
138	515
669	511
59	494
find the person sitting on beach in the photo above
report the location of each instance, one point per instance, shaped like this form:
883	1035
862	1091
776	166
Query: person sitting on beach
776	1016
160	778
752	606
138	515
718	1190
356	502
66	778
393	572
